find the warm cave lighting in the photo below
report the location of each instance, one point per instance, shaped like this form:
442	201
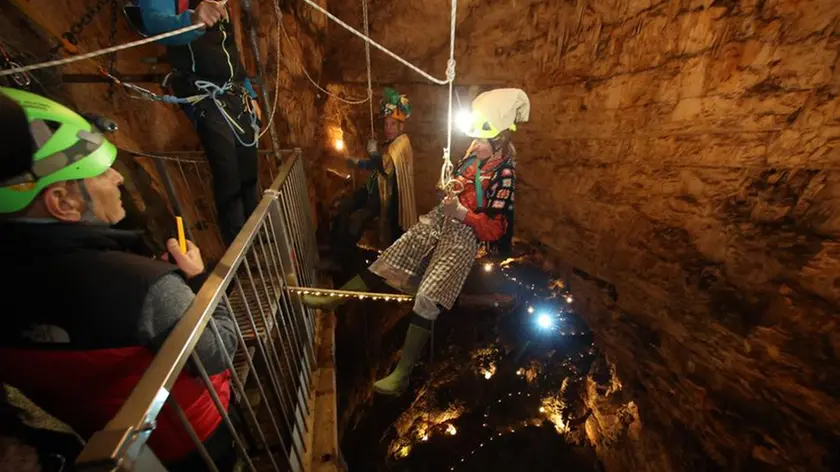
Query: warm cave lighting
488	267
542	409
545	321
520	372
339	144
488	375
450	430
425	437
568	299
530	310
463	120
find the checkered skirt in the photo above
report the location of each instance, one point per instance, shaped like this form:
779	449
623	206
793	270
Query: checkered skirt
432	258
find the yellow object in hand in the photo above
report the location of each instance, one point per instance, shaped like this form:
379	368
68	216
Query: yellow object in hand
182	241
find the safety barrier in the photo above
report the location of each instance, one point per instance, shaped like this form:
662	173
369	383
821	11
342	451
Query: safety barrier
272	367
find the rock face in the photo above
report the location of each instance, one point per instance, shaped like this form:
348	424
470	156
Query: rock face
683	153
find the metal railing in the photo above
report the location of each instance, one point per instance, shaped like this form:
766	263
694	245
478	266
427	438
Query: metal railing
271	369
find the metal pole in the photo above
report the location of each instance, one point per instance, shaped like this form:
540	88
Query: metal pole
170	191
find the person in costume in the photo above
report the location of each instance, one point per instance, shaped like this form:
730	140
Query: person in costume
389	193
432	260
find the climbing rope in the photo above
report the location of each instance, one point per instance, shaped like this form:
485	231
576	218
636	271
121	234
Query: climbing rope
329	292
101	52
367	57
446	170
312	81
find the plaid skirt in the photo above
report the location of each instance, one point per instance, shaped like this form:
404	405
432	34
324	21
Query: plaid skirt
433	258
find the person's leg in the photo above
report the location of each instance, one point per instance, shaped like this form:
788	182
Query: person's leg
220	147
447	271
397	264
248	174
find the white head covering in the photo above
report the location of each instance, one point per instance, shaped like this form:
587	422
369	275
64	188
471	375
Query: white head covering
503	107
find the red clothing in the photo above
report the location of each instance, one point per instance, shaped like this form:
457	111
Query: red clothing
96	383
486	228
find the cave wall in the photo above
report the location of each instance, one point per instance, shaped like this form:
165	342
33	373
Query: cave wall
29	33
684	152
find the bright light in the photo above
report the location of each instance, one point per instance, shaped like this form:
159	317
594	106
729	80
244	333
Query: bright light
545	321
488	375
531	310
339	144
463	120
542	409
520	372
488	267
425	437
569	299
450	430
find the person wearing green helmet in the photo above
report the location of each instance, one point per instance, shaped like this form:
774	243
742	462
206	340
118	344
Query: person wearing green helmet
88	315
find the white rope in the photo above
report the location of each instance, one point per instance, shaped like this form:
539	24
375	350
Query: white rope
322	89
367	57
446	168
380	47
101	52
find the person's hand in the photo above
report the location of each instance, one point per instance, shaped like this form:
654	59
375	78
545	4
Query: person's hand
257	110
452	208
209	13
190	262
372	147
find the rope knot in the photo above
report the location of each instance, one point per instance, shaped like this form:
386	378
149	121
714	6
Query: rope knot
450	70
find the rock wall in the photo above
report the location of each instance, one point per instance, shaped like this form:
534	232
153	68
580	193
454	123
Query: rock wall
685	153
30	29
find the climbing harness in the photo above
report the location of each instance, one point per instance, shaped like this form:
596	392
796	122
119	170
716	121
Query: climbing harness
214	93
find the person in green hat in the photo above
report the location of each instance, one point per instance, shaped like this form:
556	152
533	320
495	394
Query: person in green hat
85	316
389	193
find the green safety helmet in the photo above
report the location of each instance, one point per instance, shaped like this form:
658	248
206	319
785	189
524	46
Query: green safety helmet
67	147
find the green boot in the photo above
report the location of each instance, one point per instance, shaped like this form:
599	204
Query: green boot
324	303
396	383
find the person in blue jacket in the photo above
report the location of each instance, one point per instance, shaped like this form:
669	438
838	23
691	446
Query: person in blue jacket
207	60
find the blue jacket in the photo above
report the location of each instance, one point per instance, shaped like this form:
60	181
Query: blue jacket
209	54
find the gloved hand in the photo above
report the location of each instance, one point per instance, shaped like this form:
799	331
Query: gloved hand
452	208
372	147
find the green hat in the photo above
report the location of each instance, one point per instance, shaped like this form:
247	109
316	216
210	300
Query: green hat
395	105
67	148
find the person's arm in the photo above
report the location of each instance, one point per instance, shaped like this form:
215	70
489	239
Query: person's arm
165	305
159	16
486	227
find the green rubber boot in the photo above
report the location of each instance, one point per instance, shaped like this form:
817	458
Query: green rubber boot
397	383
325	303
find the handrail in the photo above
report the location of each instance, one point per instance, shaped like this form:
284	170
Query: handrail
125	435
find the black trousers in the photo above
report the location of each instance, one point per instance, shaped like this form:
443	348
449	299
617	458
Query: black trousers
355	212
234	166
